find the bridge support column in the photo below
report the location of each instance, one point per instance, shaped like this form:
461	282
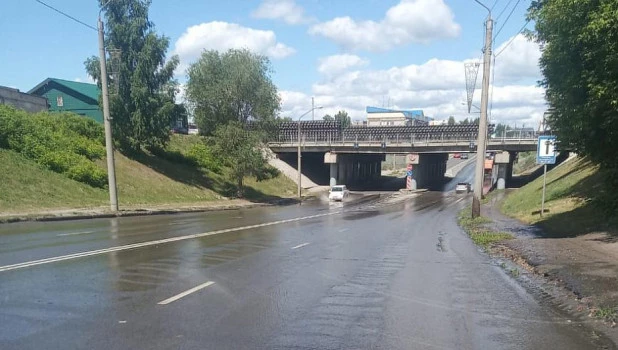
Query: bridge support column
333	174
503	165
429	173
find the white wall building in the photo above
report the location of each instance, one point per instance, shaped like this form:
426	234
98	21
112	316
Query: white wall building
390	117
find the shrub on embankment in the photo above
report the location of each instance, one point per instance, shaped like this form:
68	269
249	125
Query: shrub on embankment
62	142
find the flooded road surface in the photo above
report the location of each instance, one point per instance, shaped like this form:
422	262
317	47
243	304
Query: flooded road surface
379	274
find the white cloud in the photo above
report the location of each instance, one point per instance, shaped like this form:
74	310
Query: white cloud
436	86
410	21
519	61
222	36
287	10
338	63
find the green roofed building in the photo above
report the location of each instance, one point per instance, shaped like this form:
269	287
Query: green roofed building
70	96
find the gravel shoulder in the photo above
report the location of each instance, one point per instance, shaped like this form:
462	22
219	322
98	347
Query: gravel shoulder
578	274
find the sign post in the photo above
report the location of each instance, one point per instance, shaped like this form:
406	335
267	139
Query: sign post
545	154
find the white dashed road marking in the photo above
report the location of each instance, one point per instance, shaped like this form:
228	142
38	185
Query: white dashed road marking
185	293
300	245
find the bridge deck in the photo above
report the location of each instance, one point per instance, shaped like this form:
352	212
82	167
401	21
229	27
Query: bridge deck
418	146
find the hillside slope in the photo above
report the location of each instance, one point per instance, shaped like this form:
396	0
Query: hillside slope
572	190
142	180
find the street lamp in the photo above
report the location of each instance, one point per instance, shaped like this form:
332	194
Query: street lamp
473	105
298	153
109	147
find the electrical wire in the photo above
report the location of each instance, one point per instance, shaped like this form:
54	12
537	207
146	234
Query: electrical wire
507	19
504	9
494	5
66	15
512	39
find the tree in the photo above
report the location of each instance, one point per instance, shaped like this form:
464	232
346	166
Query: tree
142	90
240	151
231	86
580	77
464	122
343	118
451	120
328	118
501	129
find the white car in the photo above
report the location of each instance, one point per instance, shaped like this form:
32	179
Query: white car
463	187
338	193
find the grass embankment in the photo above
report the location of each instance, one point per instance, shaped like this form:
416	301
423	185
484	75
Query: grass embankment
525	163
478	231
27	186
570	201
56	161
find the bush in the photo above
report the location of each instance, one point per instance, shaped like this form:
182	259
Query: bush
203	156
89	173
62	142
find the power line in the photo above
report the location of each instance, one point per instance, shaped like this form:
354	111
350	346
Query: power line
494	5
66	15
504	9
512	39
507	19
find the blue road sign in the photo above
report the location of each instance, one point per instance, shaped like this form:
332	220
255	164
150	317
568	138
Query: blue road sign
409	173
546	150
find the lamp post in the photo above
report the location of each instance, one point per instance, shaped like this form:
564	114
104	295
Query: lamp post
298	152
109	147
482	134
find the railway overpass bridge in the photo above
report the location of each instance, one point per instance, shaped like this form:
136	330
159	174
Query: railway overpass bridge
354	155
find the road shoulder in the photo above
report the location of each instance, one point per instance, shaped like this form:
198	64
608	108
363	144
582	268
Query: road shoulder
579	275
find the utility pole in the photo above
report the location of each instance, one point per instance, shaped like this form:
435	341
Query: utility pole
482	136
299	154
109	147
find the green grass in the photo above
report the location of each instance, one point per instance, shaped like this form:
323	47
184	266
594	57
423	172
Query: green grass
142	180
477	230
609	314
569	200
27	186
525	162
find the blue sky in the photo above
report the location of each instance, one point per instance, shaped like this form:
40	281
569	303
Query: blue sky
348	54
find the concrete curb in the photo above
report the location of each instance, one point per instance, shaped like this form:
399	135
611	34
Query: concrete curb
94	214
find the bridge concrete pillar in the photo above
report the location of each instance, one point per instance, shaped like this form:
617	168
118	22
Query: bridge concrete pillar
502	162
429	173
333	174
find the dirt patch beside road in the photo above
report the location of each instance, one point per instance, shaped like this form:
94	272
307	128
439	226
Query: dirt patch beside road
578	273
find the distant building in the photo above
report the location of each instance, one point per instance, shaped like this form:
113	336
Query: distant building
22	100
438	122
390	117
70	96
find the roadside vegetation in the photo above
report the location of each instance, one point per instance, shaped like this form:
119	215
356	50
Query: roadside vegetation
64	143
526	161
478	231
580	77
143	179
574	200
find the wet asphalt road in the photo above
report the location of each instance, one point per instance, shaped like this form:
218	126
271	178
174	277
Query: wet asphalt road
356	276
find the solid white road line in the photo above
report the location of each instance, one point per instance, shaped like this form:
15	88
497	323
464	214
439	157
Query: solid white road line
74	233
300	245
185	293
151	243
